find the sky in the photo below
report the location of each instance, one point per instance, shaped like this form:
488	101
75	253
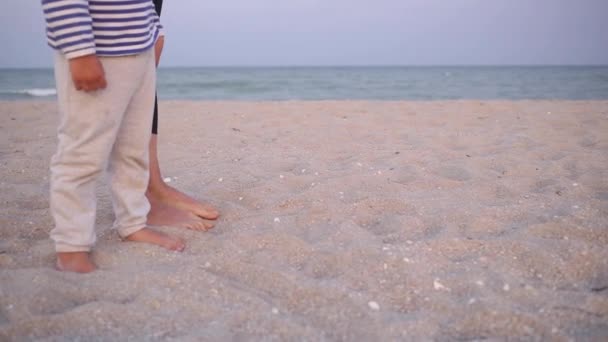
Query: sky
350	32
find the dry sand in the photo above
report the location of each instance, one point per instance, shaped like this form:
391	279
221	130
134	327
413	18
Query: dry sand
356	221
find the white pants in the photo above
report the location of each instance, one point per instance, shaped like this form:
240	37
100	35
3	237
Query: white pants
109	130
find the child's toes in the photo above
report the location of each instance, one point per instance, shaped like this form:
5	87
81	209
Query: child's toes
177	245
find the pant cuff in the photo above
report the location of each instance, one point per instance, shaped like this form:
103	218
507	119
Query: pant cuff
125	232
66	248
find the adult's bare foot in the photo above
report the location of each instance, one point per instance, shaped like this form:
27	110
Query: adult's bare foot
162	214
79	262
177	199
148	235
159	191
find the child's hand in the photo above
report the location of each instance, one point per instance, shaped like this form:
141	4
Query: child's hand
87	73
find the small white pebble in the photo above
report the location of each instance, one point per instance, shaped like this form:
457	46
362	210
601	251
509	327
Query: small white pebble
240	198
303	170
374	306
506	287
385	248
472	301
379	172
407	260
574	184
275	311
385	266
207	264
220	180
281	176
167	179
480	283
359	164
439	286
316	173
277	220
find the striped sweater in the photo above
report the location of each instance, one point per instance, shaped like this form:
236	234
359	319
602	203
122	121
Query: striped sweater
104	27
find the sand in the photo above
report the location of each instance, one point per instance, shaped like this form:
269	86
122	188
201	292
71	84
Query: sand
347	221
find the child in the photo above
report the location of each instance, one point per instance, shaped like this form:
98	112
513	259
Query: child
106	79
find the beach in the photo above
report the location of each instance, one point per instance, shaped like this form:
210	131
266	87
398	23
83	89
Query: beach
341	220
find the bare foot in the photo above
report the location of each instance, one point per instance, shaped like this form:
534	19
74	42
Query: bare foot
79	262
177	199
148	235
162	214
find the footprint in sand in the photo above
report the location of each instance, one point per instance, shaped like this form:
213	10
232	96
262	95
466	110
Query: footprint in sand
572	170
3	317
293	168
484	227
546	186
558	156
55	301
602	196
322	265
396	229
455	173
404	175
588	141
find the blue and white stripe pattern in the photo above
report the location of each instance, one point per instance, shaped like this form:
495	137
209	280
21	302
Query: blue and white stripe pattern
103	27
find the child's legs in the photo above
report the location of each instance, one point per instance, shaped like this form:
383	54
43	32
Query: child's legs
87	131
129	160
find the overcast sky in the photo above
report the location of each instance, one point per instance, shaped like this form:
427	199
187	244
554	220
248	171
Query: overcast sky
350	32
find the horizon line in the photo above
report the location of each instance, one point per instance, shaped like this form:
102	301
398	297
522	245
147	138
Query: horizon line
236	66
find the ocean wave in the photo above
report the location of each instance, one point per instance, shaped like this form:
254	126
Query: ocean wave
39	92
34	92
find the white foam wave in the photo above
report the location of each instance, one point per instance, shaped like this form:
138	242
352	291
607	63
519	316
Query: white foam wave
39	92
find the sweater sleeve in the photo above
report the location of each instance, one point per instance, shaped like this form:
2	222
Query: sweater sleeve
69	27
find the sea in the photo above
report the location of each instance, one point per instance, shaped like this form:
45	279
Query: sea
348	83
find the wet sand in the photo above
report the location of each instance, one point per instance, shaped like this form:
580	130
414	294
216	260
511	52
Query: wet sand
353	220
